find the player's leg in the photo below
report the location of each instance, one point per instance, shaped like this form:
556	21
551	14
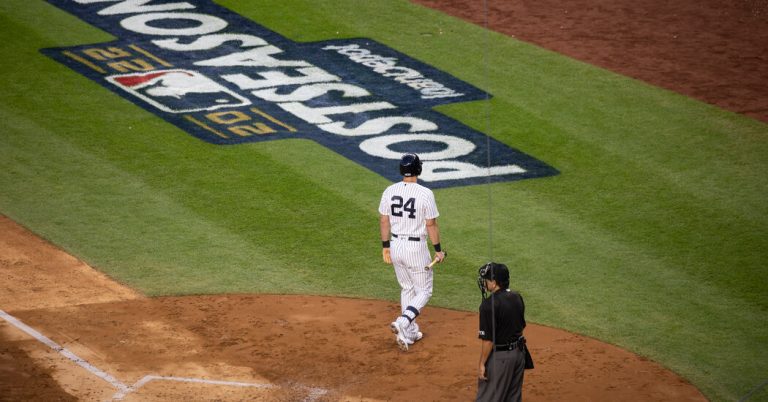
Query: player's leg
407	289
421	282
407	293
399	254
421	278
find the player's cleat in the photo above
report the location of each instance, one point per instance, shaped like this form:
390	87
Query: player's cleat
416	338
402	343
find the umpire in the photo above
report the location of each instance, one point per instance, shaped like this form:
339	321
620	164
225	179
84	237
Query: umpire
503	355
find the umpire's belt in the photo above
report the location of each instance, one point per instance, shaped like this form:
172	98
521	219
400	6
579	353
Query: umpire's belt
406	238
511	346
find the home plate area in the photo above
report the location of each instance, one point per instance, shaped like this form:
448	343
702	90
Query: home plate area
179	388
156	387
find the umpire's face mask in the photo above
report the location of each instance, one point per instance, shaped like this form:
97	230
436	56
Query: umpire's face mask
483	274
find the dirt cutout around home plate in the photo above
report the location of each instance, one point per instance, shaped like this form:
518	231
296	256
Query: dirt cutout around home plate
68	332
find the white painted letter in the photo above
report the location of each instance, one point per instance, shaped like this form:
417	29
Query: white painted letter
379	125
277	78
379	146
259	57
319	115
139	24
454	170
307	92
138	6
207	42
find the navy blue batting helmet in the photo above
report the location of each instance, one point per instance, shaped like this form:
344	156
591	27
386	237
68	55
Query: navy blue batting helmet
410	165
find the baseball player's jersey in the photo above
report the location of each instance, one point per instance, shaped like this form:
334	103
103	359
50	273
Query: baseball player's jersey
408	206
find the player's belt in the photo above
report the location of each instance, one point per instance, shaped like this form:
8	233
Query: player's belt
407	238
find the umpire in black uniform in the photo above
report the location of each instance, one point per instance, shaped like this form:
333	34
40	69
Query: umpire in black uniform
503	352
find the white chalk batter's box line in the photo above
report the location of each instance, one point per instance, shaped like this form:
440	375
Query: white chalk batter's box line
124	390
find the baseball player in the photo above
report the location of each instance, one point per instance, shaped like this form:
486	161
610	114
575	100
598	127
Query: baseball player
408	214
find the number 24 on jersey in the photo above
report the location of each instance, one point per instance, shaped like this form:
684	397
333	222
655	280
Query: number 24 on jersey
398	206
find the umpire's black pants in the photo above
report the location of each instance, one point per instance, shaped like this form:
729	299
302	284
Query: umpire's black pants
504	371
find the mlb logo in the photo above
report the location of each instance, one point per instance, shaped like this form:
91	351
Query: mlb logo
178	91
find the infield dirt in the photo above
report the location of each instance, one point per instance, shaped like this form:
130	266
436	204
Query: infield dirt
286	347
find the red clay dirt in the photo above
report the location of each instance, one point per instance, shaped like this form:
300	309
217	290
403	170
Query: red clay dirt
265	347
715	51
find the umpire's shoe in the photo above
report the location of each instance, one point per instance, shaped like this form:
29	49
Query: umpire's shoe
402	343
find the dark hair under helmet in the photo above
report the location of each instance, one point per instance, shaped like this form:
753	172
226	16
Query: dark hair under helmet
410	165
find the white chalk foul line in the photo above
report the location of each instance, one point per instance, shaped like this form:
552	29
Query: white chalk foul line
122	389
313	392
123	393
64	352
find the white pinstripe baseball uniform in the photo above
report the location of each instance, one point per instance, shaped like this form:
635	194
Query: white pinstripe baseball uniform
408	206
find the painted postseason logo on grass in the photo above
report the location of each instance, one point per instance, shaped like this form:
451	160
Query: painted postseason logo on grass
226	80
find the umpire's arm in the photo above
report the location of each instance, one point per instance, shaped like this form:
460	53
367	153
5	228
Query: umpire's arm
485	351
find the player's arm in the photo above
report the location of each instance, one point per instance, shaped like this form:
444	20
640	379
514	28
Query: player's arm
384	228
434	236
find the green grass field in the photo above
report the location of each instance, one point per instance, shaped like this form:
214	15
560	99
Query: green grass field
654	237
